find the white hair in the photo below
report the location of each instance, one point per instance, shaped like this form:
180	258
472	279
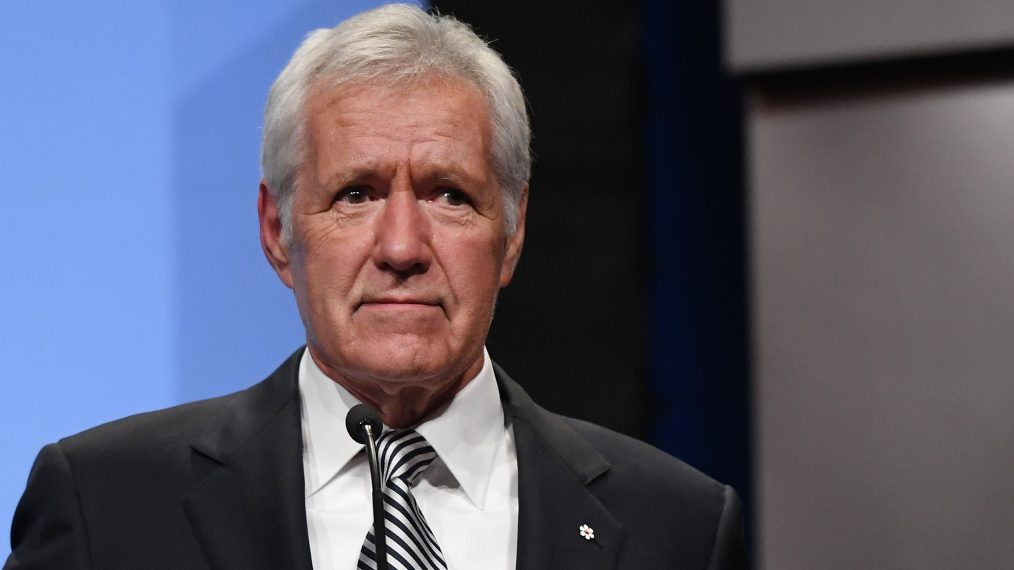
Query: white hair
394	44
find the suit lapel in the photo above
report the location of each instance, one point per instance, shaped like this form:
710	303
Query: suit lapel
555	469
247	507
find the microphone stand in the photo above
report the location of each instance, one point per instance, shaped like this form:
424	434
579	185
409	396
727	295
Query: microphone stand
379	526
364	427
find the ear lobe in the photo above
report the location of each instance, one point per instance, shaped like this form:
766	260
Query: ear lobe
272	242
515	242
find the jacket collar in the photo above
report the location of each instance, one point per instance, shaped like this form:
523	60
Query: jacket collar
557	470
247	508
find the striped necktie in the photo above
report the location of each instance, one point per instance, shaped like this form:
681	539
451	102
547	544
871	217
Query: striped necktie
403	456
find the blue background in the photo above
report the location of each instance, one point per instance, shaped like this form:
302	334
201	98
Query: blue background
132	270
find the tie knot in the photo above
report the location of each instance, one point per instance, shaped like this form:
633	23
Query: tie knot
404	455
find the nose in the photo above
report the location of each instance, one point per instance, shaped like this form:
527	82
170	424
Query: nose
402	235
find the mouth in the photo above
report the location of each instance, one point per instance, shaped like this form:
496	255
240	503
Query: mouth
400	302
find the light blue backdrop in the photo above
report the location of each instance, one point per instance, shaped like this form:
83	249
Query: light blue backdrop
131	276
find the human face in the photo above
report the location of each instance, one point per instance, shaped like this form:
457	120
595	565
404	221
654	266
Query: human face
399	245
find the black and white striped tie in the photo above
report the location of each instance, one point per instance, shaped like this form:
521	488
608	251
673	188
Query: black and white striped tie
403	456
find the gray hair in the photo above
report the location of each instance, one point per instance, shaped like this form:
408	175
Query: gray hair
389	45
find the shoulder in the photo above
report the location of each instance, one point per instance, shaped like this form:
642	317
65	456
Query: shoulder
129	478
670	510
120	475
639	470
149	432
155	443
608	460
123	460
661	498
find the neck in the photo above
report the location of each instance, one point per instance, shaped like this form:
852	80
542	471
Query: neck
405	406
405	402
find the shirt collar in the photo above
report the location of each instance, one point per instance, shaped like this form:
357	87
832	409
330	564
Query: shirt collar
466	432
327	446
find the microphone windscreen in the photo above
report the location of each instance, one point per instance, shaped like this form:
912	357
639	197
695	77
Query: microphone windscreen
361	415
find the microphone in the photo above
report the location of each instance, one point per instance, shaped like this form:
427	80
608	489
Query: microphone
361	417
363	423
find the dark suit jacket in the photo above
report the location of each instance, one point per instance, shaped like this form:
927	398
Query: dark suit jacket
219	484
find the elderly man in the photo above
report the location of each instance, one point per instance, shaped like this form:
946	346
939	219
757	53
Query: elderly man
393	204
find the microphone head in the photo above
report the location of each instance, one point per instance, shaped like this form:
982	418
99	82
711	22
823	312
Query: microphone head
360	416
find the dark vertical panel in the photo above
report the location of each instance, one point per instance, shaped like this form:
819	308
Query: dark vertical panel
631	289
572	327
697	276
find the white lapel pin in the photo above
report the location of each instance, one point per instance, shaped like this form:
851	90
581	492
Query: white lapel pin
586	531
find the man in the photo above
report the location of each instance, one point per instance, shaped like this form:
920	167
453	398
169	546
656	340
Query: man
393	204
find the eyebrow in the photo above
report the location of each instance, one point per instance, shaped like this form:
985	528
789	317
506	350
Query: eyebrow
455	171
343	178
439	173
453	174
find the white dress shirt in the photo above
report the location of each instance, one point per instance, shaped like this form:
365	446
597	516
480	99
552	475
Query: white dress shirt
469	495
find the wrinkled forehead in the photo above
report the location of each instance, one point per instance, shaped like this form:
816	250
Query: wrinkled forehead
440	124
396	108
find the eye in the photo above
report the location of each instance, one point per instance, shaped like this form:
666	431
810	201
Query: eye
353	195
452	197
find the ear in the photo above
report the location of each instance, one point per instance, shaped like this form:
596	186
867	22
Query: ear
272	242
515	242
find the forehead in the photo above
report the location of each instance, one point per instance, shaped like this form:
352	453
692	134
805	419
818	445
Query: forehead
431	106
434	128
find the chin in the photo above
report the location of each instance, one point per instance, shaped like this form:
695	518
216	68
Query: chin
406	362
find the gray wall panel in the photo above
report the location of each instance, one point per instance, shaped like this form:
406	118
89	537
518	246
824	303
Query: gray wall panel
776	34
883	267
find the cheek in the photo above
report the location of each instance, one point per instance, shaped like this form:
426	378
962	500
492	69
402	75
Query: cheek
327	276
474	271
